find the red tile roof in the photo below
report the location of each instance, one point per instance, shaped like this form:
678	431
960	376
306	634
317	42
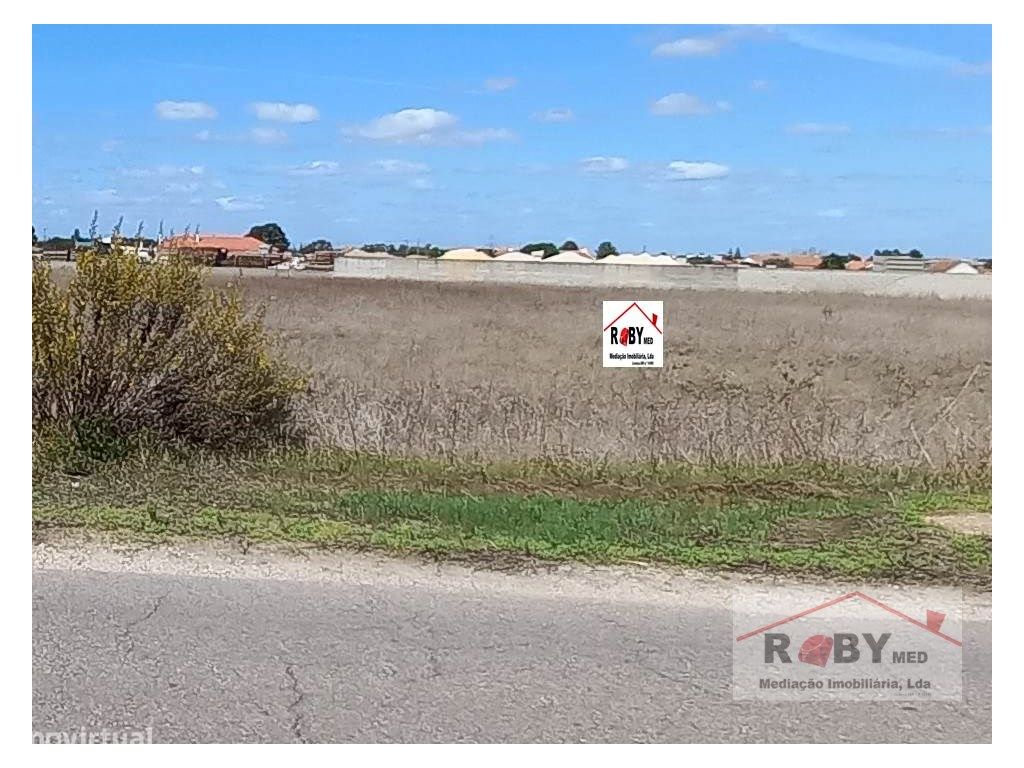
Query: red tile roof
800	261
215	242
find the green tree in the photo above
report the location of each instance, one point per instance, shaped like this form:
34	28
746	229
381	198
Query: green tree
569	245
316	245
736	254
549	249
34	238
606	249
271	234
915	254
833	261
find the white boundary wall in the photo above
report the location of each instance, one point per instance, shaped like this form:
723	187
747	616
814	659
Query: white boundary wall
668	277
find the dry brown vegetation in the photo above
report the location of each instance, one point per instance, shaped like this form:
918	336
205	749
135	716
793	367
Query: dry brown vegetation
814	435
488	371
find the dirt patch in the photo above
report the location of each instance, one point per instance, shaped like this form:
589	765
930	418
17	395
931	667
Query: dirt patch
975	523
812	532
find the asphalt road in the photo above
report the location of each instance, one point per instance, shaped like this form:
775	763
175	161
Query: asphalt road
205	644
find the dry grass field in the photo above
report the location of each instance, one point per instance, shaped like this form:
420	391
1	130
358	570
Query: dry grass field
800	434
494	372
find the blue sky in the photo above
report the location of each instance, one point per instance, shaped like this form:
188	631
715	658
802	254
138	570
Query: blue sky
674	138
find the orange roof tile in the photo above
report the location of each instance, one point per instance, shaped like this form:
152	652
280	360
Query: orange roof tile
216	242
806	262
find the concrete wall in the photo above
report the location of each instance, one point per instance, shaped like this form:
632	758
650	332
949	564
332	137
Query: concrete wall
867	283
527	273
669	277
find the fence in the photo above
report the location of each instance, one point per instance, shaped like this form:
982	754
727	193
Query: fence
669	277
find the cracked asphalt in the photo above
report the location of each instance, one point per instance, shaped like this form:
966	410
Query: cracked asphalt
206	644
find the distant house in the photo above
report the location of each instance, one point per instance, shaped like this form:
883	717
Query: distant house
804	261
233	250
359	253
858	265
498	250
898	264
953	267
465	254
568	257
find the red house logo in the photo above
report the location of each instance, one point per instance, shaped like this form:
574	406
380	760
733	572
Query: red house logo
855	645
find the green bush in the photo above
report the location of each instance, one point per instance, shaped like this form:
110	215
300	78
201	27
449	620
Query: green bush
128	351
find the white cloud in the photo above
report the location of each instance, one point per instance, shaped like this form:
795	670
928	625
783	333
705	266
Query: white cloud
259	135
952	133
185	110
285	113
268	136
481	136
496	84
400	166
683	170
408	125
177	187
691	46
424	126
317	168
680	104
723	106
101	196
830	40
163	171
603	164
812	129
833	213
968	69
555	115
422	184
760	85
240	204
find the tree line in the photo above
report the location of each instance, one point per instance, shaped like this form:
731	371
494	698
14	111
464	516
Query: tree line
274	235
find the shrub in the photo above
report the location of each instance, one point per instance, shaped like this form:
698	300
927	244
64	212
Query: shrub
128	350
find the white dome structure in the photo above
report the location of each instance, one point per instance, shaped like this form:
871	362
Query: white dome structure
569	257
359	253
636	259
465	254
516	256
